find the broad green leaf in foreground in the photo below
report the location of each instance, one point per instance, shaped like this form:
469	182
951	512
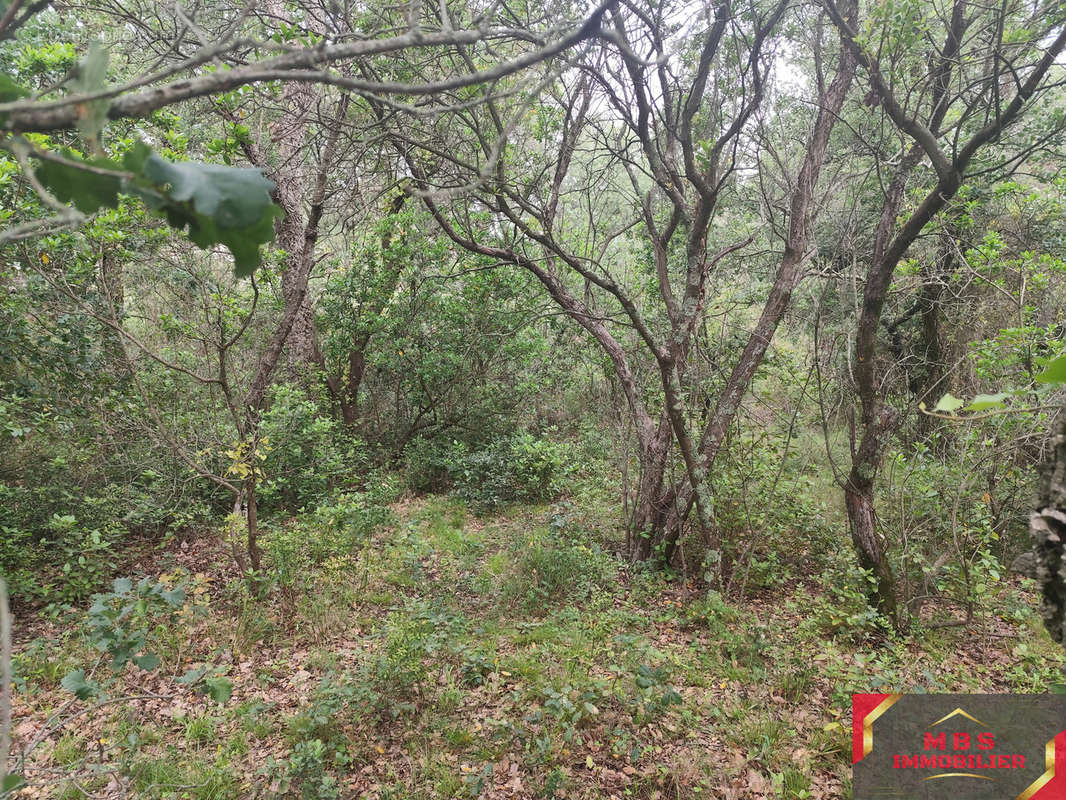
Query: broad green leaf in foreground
218	205
90	75
949	403
1055	372
11	783
80	685
230	206
985	401
86	191
9	90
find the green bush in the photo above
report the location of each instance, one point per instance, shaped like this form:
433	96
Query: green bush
58	544
562	565
430	463
305	773
340	528
517	468
514	468
957	535
307	453
60	557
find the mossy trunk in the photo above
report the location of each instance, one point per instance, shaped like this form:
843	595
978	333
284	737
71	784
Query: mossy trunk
1047	525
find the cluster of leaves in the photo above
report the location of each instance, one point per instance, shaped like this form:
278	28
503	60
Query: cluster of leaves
337	529
309	454
1051	377
118	625
520	467
564	564
214	204
57	556
645	697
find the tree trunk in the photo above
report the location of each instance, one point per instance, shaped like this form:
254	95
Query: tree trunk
652	504
301	261
349	394
113	290
862	517
932	374
255	557
798	248
290	136
1047	526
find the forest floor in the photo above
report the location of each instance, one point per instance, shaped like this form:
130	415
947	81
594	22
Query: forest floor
510	656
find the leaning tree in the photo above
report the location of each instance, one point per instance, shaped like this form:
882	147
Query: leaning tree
952	82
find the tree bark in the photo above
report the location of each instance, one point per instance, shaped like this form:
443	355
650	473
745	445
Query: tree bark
1047	526
290	133
652	502
878	419
255	555
931	382
302	268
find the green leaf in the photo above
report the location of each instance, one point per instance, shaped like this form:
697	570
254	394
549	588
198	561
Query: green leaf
192	676
234	197
147	662
11	783
1058	688
122	586
87	191
79	685
985	401
218	689
9	90
1055	372
91	76
670	698
174	597
243	243
949	404
218	205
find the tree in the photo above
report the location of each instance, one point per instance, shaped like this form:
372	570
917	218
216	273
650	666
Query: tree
648	163
986	72
226	205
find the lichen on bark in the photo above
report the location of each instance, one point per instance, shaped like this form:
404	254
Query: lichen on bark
1047	526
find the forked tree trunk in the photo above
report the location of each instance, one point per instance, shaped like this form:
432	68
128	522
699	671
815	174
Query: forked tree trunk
1047	526
799	246
893	240
652	503
862	517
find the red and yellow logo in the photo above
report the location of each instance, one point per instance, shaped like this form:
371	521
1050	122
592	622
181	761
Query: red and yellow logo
938	752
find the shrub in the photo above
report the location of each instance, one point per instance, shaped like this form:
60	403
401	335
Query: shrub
337	529
430	463
564	565
307	454
62	556
518	468
954	529
305	773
